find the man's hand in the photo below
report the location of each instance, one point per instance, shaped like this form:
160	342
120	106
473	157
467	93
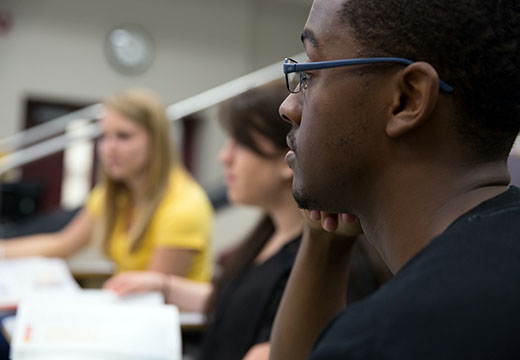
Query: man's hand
317	286
345	225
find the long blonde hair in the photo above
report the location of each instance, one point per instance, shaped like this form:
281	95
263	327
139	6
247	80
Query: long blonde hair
144	109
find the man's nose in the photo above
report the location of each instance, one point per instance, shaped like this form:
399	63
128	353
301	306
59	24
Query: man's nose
290	109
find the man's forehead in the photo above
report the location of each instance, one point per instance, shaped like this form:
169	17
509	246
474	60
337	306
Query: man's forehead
324	28
323	10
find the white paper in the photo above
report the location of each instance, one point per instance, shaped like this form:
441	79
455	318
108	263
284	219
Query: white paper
89	297
57	320
20	278
96	325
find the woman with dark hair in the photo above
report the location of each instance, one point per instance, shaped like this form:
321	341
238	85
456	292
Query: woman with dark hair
242	302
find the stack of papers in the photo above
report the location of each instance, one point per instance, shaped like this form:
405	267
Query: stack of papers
21	278
55	319
96	325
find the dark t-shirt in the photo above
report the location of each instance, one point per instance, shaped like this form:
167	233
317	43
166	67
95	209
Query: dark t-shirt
246	309
458	298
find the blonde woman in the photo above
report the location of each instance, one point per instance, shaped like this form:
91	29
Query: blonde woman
244	299
149	213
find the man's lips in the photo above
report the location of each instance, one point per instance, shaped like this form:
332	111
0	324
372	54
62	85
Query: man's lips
289	141
290	157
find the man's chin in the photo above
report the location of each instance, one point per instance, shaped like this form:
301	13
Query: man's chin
308	202
304	201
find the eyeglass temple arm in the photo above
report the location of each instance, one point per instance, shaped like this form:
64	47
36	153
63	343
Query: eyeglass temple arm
294	67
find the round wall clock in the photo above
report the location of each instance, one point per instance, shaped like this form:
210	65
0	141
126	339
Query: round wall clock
129	49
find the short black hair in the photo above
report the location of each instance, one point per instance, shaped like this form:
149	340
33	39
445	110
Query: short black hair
473	44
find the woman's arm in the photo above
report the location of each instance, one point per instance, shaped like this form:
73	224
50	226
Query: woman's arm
59	244
172	261
317	286
188	295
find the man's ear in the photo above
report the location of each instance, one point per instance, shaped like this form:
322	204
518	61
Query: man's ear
415	98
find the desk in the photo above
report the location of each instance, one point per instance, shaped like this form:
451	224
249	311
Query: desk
90	273
192	321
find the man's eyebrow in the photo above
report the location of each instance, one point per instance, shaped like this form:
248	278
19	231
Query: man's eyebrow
307	34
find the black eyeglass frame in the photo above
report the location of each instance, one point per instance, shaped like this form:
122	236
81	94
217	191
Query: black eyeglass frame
291	66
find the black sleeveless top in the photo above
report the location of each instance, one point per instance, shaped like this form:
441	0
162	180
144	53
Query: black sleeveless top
245	312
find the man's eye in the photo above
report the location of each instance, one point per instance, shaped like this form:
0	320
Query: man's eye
305	77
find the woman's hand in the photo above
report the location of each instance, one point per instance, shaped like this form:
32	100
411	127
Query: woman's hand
344	225
136	282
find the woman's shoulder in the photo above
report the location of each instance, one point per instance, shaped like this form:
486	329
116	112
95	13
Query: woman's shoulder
185	192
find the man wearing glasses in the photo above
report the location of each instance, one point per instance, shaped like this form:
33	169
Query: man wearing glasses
404	116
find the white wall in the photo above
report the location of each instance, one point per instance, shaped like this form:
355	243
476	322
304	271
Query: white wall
55	48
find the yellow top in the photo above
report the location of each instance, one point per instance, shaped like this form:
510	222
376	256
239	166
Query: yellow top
182	220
